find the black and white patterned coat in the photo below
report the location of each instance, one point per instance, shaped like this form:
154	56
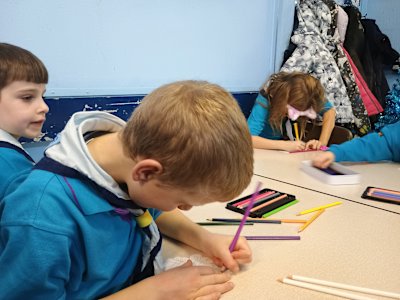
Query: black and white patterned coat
312	56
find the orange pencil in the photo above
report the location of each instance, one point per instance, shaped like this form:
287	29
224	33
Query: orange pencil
293	221
268	203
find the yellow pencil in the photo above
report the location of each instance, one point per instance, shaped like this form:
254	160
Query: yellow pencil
296	131
318	208
311	220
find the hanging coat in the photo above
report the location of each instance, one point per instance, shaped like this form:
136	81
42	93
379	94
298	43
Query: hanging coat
361	124
312	56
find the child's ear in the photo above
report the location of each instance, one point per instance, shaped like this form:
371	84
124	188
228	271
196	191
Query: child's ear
146	169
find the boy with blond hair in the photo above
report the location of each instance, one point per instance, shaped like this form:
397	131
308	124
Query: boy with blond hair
94	206
23	79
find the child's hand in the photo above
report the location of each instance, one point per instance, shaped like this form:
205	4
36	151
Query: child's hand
323	160
189	282
217	247
313	144
294	146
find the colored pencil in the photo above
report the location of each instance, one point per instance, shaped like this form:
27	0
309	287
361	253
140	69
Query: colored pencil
296	131
346	286
280	208
222	223
293	221
384	190
319	208
322	148
268	203
316	215
322	289
267	196
248	220
282	220
246	214
245	201
385	195
272	237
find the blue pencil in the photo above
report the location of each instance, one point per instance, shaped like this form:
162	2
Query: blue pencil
385	194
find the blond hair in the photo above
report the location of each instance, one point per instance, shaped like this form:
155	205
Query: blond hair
197	131
300	90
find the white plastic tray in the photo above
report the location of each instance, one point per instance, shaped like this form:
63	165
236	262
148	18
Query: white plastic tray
346	175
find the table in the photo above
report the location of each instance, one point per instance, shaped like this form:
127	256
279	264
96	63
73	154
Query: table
285	167
350	243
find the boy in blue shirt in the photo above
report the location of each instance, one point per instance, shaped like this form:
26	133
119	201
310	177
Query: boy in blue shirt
23	79
85	228
373	147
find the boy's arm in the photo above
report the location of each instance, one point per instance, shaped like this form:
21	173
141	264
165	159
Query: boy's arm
199	283
371	148
177	226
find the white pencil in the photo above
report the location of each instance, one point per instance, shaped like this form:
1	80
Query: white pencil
322	289
346	287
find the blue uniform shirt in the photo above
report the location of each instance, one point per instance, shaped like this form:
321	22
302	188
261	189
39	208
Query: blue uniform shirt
60	249
372	147
258	120
15	165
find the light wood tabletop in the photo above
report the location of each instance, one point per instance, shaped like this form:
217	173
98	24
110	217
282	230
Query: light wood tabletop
285	167
348	243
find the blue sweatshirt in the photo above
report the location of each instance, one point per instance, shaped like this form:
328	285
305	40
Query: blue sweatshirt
372	147
15	163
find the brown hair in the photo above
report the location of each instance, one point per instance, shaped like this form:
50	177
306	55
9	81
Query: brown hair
198	133
300	90
19	64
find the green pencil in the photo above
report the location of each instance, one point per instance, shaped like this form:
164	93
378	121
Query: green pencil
279	208
221	223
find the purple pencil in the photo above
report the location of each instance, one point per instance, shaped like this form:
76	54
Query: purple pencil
272	237
246	214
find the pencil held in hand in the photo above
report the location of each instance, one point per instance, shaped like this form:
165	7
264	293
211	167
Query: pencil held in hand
246	214
296	131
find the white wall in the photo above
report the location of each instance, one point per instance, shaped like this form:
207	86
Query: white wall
106	47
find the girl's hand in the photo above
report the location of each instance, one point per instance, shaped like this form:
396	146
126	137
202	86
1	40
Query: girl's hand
293	146
323	160
313	144
216	246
